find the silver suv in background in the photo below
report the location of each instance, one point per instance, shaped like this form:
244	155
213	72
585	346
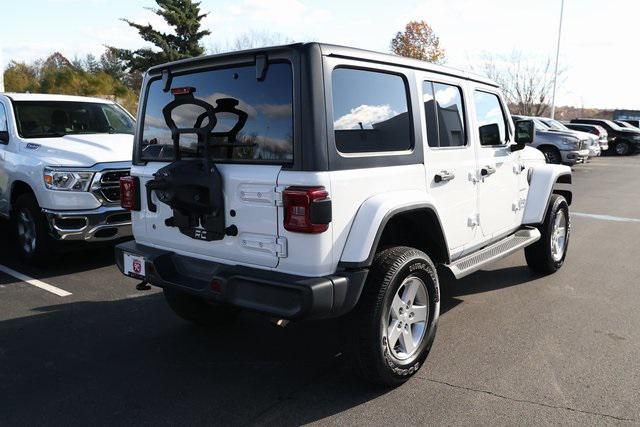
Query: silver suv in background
558	147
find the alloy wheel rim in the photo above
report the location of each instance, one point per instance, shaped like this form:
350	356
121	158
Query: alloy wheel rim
621	149
26	232
559	236
405	326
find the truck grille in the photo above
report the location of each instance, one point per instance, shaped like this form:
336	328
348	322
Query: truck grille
108	187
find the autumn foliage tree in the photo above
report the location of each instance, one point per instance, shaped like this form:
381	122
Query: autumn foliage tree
418	41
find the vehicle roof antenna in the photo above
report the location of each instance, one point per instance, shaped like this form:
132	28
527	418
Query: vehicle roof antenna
166	80
261	67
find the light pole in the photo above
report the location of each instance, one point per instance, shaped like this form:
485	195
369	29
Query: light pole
555	73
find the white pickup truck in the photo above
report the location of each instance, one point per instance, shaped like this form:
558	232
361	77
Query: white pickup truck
61	160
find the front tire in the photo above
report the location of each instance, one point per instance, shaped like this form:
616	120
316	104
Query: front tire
390	332
30	230
199	311
547	254
551	155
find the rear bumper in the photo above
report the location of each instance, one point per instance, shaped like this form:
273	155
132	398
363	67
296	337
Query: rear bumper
96	225
275	294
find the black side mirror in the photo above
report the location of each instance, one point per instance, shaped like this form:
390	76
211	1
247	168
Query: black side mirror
490	134
4	137
525	134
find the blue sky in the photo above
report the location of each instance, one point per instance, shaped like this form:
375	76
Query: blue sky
600	48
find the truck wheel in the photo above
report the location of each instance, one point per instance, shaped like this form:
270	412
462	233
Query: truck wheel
30	230
622	148
551	155
547	254
200	311
389	333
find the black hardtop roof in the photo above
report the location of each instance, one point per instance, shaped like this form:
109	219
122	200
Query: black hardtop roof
335	51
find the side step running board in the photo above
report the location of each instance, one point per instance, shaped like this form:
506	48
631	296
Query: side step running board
510	244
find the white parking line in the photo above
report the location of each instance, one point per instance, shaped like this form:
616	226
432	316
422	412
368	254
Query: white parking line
605	217
34	282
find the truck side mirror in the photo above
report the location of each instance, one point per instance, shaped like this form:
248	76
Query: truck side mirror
4	137
525	133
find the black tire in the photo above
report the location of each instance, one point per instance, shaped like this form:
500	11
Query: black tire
199	311
366	344
622	148
540	256
551	155
31	230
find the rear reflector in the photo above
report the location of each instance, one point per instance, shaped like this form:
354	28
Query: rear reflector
130	193
306	209
182	90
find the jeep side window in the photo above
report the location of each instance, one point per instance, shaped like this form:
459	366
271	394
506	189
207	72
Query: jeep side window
430	113
491	119
370	111
444	114
3	119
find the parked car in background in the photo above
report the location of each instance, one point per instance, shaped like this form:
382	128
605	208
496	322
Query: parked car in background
626	125
632	122
599	131
593	142
558	147
626	140
62	158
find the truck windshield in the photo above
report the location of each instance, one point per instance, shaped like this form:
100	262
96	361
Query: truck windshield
51	119
253	117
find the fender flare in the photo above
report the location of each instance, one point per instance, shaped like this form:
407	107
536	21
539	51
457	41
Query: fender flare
545	180
371	219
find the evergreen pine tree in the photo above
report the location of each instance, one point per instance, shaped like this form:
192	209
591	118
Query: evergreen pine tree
185	18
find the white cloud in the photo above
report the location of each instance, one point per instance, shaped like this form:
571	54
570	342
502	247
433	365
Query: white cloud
365	115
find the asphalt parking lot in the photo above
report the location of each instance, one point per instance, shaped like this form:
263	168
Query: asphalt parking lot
512	347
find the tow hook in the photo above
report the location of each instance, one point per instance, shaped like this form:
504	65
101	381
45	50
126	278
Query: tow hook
143	286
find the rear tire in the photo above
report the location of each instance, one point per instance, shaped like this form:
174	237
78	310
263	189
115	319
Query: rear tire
551	155
390	332
199	311
622	148
547	254
30	230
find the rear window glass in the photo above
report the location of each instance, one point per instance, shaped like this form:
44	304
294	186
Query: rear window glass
370	111
267	133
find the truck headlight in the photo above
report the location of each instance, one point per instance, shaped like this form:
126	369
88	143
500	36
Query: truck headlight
570	143
67	180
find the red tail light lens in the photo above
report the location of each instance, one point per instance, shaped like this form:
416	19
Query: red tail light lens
306	209
130	193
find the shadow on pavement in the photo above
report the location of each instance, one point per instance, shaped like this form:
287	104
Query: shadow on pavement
133	360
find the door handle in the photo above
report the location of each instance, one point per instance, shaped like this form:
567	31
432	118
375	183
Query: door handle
487	170
443	176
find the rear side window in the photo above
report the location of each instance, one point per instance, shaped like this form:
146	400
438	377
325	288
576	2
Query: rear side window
370	111
3	119
492	125
444	114
266	135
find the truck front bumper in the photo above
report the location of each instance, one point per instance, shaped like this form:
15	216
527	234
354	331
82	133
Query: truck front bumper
571	157
269	292
95	225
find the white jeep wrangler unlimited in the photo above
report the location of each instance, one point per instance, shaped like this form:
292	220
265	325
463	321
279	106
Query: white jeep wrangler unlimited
315	181
61	160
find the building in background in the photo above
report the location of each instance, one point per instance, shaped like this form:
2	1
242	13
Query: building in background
1	73
626	115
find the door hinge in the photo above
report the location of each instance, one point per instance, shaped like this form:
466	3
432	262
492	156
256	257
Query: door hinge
270	244
474	220
278	194
281	247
